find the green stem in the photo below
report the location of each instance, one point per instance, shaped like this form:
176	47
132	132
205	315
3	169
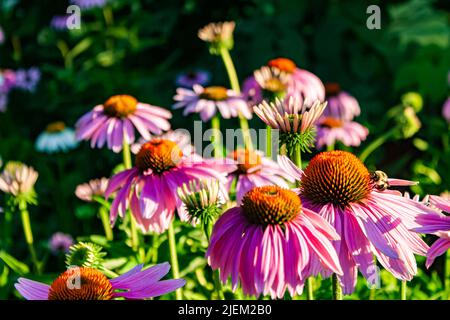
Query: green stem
174	259
296	156
269	141
234	82
25	216
375	144
310	288
218	285
403	289
337	289
215	138
104	216
330	147
127	163
155	248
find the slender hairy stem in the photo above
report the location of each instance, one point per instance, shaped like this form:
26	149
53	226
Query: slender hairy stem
218	285
337	289
174	258
375	144
234	82
25	216
104	216
155	248
127	163
215	126
310	288
403	289
268	141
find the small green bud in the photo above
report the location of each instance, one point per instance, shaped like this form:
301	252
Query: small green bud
85	254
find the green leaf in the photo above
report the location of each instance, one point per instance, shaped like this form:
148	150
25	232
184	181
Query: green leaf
15	265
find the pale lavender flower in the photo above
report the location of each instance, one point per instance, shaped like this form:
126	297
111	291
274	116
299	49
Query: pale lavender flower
330	130
89	4
189	79
59	22
60	242
446	110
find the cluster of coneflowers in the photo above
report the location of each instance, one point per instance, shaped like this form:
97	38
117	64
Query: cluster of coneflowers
272	225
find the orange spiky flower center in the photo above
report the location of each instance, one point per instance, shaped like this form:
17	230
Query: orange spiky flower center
284	64
271	205
247	161
159	155
332	88
336	177
330	122
55	127
81	284
216	93
120	106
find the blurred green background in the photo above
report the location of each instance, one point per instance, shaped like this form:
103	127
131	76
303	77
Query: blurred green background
147	43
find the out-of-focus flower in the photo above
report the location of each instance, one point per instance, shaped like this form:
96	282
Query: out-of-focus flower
89	4
18	180
370	219
59	22
56	138
94	285
330	130
341	105
446	110
294	118
93	188
282	78
439	226
7	82
27	79
60	242
206	102
189	79
267	243
2	36
219	35
255	170
150	187
414	100
115	121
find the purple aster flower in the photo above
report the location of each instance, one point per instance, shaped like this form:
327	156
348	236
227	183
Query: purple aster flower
446	110
27	79
60	242
59	22
341	105
330	130
89	4
189	79
94	285
7	80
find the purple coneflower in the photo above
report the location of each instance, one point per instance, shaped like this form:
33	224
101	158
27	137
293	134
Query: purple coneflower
59	22
341	105
89	4
150	188
18	179
56	138
114	122
255	170
267	243
446	110
369	219
330	130
94	285
189	79
206	102
60	242
439	226
93	188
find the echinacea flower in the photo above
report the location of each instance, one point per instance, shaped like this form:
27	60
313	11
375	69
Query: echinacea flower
18	179
60	242
93	188
56	138
218	35
282	78
89	4
255	170
267	243
439	226
189	79
446	110
81	283
206	102
294	118
115	121
330	130
370	219
341	105
150	187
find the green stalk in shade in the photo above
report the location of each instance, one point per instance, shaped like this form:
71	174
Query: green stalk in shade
337	289
104	216
25	216
174	259
215	139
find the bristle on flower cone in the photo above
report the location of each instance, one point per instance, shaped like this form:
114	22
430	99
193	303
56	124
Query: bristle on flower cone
159	155
120	106
271	205
284	64
216	93
54	127
81	284
247	161
336	177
